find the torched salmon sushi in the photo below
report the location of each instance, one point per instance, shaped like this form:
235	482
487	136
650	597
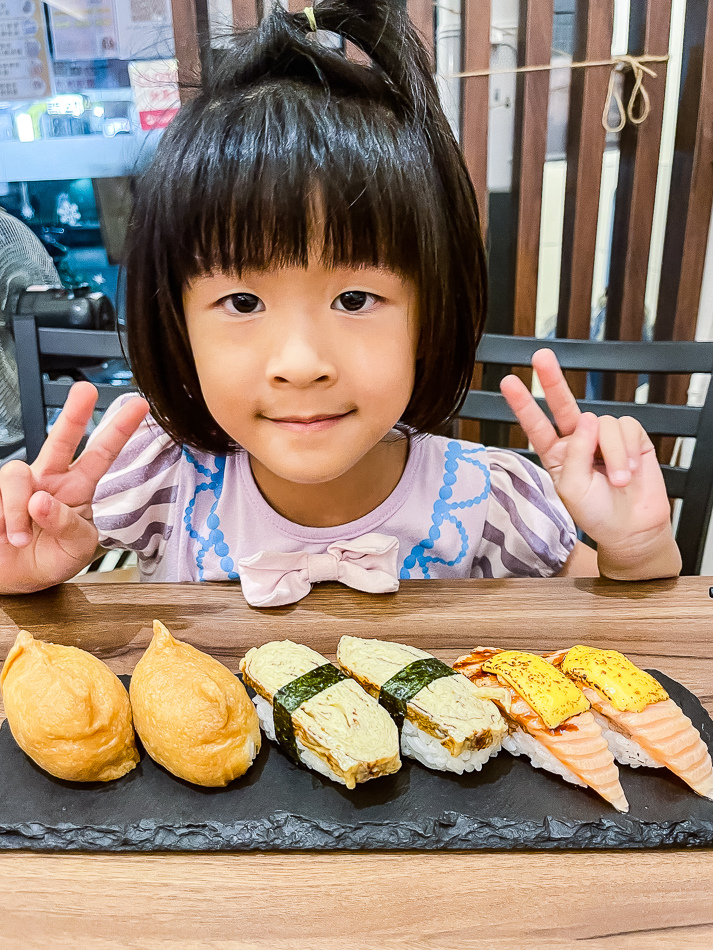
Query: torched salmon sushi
549	719
641	724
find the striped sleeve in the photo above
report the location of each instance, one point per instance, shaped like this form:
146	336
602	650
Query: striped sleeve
132	505
528	532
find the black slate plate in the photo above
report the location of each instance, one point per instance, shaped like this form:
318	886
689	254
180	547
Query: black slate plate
278	806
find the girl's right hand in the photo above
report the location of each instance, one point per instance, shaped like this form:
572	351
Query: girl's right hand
46	529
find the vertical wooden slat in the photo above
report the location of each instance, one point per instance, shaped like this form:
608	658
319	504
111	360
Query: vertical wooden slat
689	206
475	114
422	17
585	148
475	97
188	55
649	27
246	13
530	148
529	153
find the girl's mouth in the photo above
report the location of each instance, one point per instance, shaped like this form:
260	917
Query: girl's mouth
316	423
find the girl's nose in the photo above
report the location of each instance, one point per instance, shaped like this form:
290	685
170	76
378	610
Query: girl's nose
299	363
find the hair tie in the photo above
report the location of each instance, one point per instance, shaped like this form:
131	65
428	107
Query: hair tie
311	19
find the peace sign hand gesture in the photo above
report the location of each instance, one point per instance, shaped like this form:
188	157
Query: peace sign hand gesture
46	529
616	495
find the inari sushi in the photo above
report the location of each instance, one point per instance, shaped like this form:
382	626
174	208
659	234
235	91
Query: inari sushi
549	721
642	725
322	718
446	722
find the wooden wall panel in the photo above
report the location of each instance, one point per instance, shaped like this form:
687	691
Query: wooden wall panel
422	16
533	90
188	47
475	112
649	27
475	97
248	13
585	149
690	197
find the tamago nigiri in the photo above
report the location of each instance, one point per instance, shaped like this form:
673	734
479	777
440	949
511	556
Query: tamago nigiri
641	723
550	721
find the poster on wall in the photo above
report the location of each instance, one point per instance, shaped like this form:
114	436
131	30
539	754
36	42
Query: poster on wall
24	61
144	29
155	87
90	34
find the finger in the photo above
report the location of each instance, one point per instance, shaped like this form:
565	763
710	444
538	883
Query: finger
75	535
102	451
578	467
557	393
537	427
613	449
635	439
65	435
16	488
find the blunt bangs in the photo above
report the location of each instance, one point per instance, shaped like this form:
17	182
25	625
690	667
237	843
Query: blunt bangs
271	172
287	170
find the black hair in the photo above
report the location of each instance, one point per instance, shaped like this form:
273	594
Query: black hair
285	134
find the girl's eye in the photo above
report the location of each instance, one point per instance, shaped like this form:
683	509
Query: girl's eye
354	301
242	303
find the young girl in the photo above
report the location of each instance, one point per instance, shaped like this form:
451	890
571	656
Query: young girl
306	289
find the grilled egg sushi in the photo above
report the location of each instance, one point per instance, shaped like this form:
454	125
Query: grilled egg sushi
322	718
446	722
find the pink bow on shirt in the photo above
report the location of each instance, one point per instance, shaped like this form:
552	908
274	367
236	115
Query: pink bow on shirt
368	563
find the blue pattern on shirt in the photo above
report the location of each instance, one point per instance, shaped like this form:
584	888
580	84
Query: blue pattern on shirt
443	509
216	539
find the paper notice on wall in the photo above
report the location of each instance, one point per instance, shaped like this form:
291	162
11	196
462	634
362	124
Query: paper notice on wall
155	87
24	62
145	29
92	37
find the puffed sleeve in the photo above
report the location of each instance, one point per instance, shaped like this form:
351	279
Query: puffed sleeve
528	532
133	502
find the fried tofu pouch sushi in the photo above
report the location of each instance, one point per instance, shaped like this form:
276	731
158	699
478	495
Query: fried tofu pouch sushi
641	723
446	722
192	714
322	718
68	711
550	722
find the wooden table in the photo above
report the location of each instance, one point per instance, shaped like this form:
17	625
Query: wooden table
310	901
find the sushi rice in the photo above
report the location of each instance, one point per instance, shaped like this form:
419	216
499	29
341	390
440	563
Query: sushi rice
625	750
267	724
415	743
520	742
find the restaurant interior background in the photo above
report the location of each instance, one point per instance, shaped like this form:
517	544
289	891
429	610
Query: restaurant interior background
86	87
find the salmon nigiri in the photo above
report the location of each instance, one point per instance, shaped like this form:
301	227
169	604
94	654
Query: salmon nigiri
642	725
549	719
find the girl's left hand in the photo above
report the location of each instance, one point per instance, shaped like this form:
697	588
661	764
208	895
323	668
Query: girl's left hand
619	499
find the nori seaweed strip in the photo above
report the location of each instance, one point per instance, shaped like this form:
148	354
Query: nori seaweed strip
287	699
403	686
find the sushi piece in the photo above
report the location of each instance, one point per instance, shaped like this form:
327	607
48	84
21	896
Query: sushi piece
549	721
322	718
642	725
446	722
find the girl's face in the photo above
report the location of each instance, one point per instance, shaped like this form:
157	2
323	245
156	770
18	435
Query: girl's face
306	368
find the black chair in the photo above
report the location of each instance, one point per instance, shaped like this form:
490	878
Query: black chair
693	485
41	348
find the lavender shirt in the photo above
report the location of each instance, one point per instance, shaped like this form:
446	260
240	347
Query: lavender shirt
459	510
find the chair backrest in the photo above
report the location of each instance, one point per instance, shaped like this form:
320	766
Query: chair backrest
693	485
31	344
